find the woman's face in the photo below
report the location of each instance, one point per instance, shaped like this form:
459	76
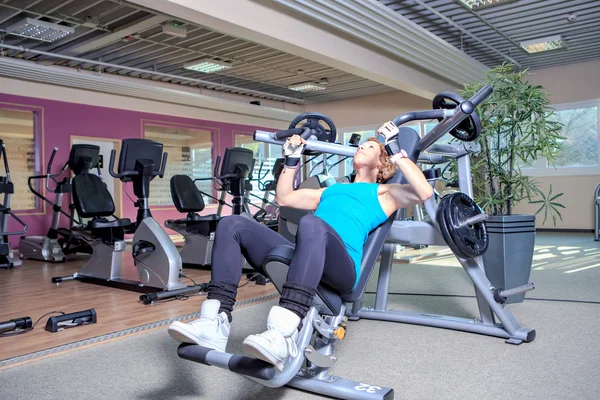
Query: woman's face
367	155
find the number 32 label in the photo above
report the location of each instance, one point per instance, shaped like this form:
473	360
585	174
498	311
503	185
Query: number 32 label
367	388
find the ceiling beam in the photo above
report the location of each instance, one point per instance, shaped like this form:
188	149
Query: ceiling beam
265	23
80	47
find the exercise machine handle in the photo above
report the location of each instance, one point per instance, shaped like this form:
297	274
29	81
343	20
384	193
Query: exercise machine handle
284	134
49	174
49	169
216	171
111	167
5	161
217	165
163	165
481	95
421	115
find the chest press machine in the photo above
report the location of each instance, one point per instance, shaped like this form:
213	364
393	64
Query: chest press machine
325	321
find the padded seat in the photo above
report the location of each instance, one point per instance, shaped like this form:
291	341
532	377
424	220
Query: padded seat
188	199
204	225
204	218
104	224
195	219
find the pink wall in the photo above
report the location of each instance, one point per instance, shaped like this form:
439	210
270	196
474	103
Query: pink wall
61	120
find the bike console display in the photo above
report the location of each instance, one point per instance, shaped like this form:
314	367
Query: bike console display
233	157
135	150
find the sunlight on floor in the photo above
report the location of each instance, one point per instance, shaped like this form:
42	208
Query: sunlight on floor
582	269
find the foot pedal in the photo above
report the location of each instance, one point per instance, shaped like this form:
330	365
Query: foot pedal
514	341
141	247
72	320
319	359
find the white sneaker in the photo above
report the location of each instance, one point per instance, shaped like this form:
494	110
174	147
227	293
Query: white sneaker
210	330
278	343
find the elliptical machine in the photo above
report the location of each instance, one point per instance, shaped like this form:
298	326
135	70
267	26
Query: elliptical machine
7	259
264	215
51	247
155	256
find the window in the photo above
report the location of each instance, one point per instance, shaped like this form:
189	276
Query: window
579	155
190	153
265	155
580	148
17	131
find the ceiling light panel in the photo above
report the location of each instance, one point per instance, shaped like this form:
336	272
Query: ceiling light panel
307	87
543	44
479	4
39	30
207	66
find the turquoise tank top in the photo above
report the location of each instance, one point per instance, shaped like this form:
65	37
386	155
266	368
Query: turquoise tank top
353	211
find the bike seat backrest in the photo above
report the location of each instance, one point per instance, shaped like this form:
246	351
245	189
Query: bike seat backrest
408	140
91	196
83	157
186	196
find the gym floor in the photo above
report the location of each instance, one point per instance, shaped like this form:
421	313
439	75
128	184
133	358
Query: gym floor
418	362
28	291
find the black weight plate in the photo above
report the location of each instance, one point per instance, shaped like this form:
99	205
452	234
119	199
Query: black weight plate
450	221
471	240
457	240
441	219
323	134
464	240
470	128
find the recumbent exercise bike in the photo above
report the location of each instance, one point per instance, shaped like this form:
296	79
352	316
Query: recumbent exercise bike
155	256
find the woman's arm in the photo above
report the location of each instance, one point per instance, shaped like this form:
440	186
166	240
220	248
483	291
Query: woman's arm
285	195
415	192
304	199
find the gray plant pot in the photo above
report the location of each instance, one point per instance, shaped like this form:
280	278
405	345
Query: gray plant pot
510	253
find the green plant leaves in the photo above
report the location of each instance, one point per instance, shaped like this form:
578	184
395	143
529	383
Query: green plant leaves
518	127
549	205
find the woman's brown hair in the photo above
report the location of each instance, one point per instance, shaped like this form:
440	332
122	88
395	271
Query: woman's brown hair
387	169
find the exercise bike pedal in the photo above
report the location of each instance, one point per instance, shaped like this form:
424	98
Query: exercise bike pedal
141	247
319	359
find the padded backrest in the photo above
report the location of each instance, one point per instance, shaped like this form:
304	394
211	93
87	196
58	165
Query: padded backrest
186	196
83	157
91	197
408	140
317	182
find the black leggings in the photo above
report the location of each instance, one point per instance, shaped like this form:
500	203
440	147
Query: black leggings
320	256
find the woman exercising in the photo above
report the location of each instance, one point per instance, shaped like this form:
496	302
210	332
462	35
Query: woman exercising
329	246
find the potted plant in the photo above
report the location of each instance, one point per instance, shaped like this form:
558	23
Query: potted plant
518	127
